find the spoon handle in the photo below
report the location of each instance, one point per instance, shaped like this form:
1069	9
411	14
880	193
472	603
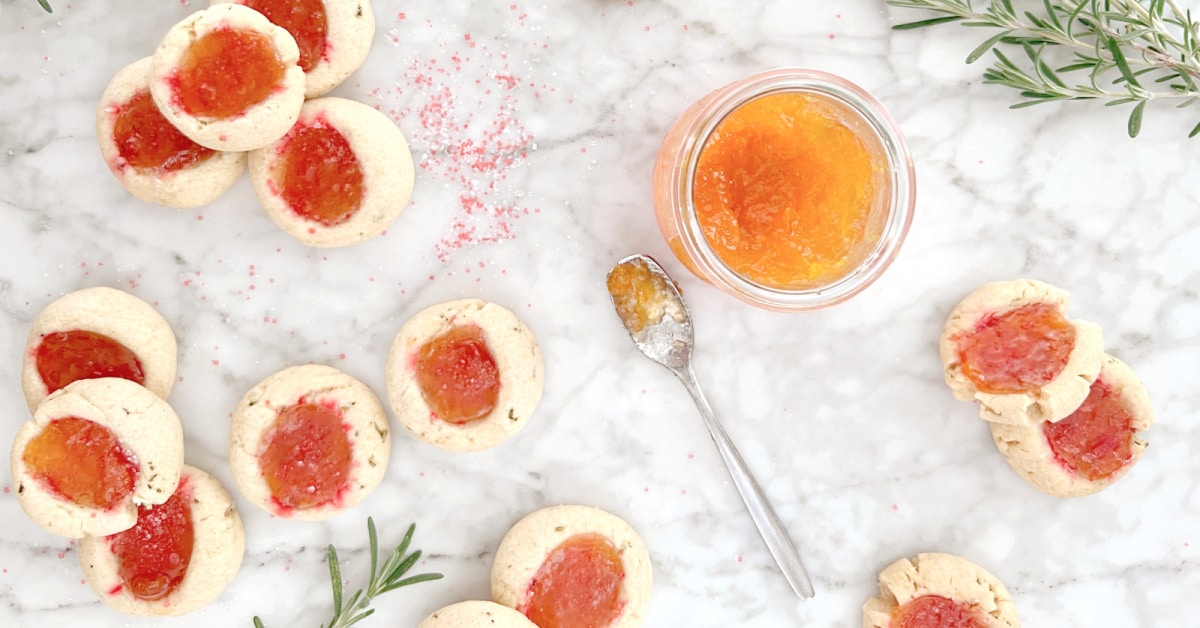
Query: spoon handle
765	519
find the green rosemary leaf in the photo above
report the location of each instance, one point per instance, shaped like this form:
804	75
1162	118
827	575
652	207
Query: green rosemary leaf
1053	15
46	5
335	577
984	47
1074	67
1120	101
373	545
425	577
1135	119
922	23
403	567
1035	20
1118	58
1195	131
404	543
258	622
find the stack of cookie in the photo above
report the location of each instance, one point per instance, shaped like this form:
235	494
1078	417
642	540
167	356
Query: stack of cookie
228	86
1066	416
102	459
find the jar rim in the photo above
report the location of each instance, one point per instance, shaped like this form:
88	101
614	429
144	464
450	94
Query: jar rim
899	207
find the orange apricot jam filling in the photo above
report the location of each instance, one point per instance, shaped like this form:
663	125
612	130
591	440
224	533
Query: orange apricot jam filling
784	191
1096	440
1018	351
66	356
154	555
319	176
145	140
935	611
227	71
579	584
639	295
458	376
304	19
83	462
306	456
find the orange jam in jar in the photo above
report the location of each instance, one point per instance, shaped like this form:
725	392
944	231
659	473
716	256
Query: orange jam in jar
791	190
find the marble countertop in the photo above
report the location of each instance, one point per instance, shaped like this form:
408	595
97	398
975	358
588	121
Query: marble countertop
535	126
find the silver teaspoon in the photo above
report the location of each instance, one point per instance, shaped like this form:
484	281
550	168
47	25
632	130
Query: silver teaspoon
652	310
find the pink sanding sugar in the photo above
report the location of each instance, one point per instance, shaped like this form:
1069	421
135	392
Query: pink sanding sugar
469	133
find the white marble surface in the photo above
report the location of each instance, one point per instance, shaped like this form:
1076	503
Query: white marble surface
842	413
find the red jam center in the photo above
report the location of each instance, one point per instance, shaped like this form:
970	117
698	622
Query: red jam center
935	611
66	356
458	376
82	461
1096	440
1017	351
153	556
227	71
306	456
146	140
577	586
304	19
319	176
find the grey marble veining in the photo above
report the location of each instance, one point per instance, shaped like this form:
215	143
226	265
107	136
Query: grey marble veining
842	413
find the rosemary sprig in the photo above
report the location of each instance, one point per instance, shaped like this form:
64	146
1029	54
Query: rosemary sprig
389	578
1125	51
46	5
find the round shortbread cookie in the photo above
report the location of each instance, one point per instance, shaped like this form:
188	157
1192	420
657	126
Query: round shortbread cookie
1029	452
381	158
189	177
145	426
363	418
219	543
1050	401
531	540
118	315
476	614
349	28
518	362
943	575
257	125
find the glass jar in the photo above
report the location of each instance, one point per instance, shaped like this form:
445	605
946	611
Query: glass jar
889	216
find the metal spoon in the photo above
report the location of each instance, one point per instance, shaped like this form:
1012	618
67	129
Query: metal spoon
652	311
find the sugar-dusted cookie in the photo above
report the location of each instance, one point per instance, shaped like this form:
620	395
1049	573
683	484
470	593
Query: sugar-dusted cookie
464	375
1092	447
476	614
228	78
93	452
334	36
179	556
1010	346
97	332
341	175
149	156
308	442
951	588
555	557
